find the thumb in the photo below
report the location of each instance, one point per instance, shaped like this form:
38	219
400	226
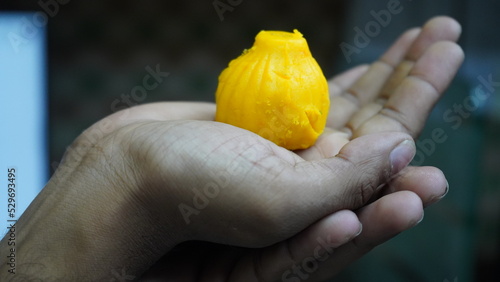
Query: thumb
352	177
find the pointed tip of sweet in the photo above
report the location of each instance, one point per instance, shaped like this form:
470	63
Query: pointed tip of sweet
280	35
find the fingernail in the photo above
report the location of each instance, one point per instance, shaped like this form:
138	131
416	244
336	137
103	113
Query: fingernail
402	155
412	224
435	199
360	230
447	189
349	238
420	220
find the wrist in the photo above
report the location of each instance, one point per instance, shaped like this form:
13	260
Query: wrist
91	221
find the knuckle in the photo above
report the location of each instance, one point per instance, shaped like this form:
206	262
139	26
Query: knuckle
365	189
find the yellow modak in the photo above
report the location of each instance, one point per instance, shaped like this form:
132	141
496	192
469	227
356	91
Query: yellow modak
275	89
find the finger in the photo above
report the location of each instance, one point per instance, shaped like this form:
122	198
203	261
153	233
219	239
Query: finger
429	183
343	81
439	28
328	145
435	30
369	85
283	260
398	51
381	221
338	113
350	179
396	57
409	106
154	111
403	56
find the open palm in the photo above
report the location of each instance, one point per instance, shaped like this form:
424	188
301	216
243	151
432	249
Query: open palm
394	94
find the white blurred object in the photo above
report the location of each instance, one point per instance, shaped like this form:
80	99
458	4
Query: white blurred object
23	116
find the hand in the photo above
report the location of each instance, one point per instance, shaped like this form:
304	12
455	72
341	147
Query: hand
115	203
395	94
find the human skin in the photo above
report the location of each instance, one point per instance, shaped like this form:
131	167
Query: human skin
113	205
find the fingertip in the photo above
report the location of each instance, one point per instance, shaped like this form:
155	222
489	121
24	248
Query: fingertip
449	47
429	183
452	25
394	213
376	143
335	230
397	51
412	209
340	227
411	34
349	222
440	28
406	208
402	155
437	185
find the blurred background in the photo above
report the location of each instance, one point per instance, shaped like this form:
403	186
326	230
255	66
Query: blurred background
99	51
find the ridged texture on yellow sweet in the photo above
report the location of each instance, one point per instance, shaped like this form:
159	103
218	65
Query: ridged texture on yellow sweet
275	89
